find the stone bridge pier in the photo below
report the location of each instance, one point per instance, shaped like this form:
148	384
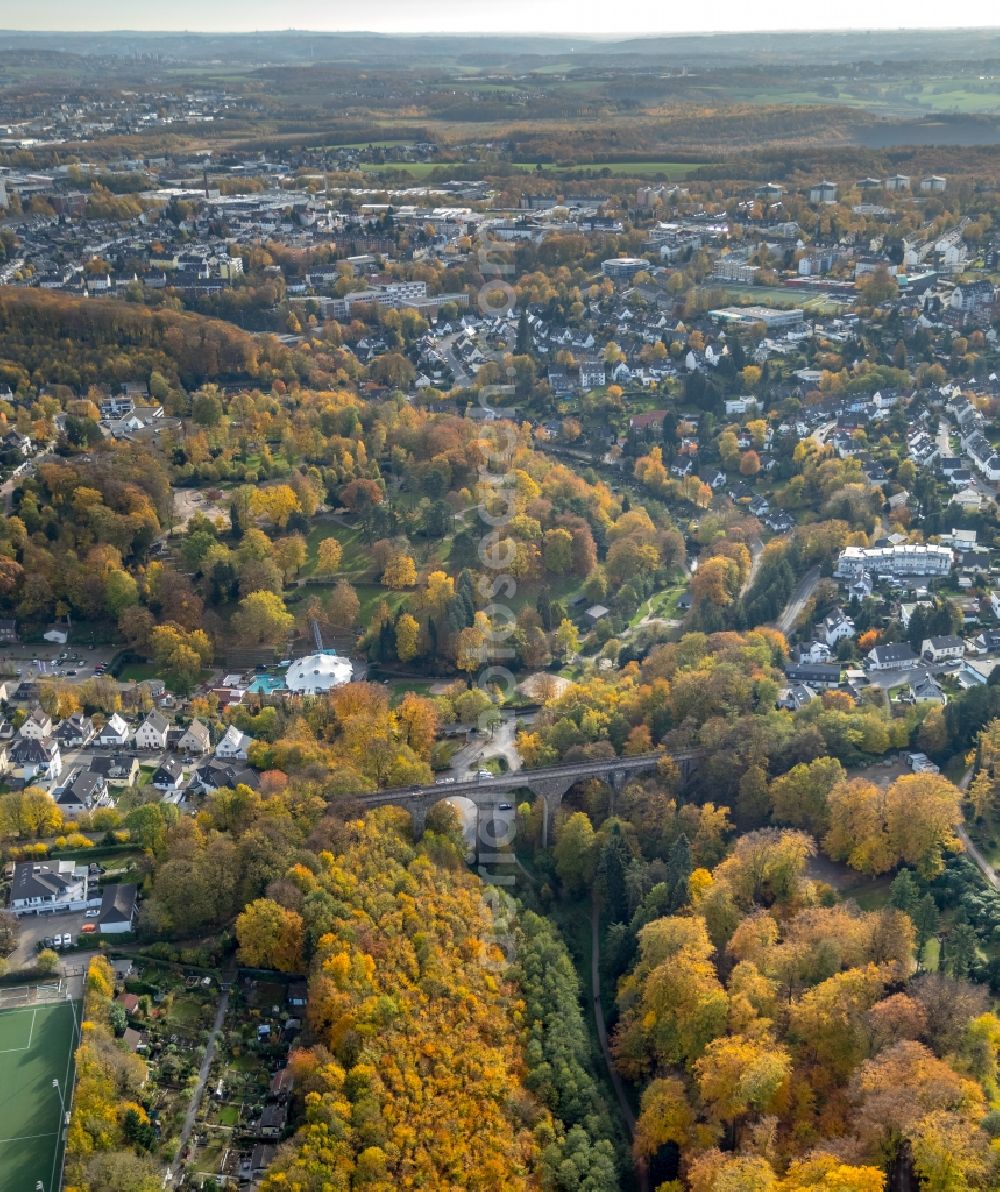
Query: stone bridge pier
551	791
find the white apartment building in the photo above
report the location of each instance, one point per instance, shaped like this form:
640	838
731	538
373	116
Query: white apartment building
907	559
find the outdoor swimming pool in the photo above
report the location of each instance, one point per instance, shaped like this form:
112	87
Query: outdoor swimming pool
266	684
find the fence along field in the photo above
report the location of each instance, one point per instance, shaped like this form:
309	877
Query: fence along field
38	1036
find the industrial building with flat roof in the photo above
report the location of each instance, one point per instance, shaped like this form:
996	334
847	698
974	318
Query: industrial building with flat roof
771	317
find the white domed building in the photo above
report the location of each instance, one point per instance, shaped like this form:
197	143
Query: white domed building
317	673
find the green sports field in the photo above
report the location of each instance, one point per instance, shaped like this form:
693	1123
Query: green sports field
36	1047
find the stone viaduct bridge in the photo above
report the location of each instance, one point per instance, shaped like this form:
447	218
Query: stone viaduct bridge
549	784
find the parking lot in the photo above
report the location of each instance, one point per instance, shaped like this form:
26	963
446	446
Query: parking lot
39	927
48	660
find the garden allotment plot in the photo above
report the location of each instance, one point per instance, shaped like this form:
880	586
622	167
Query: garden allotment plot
37	1042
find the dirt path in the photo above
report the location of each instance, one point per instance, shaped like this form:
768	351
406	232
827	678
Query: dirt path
602	1034
984	867
203	1071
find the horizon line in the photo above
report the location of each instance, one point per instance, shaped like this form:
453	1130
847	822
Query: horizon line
473	33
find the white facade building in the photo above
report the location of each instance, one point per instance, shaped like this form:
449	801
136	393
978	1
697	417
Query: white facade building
317	673
907	559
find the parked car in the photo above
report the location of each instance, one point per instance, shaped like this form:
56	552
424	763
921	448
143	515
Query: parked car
88	928
67	940
93	913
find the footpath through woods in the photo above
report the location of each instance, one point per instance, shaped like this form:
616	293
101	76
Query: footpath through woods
641	1168
984	867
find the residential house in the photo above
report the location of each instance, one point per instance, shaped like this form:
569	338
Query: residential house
973	299
33	759
907	610
815	652
795	696
121	769
215	774
75	732
83	791
169	775
8	630
837	626
38	887
815	674
233	746
925	690
115	733
37	727
272	1121
118	908
894	656
592	374
13	440
938	649
195	739
968	500
152	733
254	1166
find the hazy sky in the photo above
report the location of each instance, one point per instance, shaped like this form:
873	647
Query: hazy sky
509	16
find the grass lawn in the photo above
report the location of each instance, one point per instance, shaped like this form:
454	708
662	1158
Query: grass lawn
370	594
398	688
138	671
185	1011
931	957
36	1047
357	553
870	895
661	605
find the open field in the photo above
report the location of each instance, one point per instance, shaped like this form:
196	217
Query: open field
36	1047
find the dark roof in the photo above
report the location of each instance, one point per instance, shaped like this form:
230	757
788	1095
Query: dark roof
821	672
274	1117
25	749
170	768
85	787
218	774
115	766
894	652
949	642
34	880
118	903
74	727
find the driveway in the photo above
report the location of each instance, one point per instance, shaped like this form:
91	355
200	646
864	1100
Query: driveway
498	744
38	927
